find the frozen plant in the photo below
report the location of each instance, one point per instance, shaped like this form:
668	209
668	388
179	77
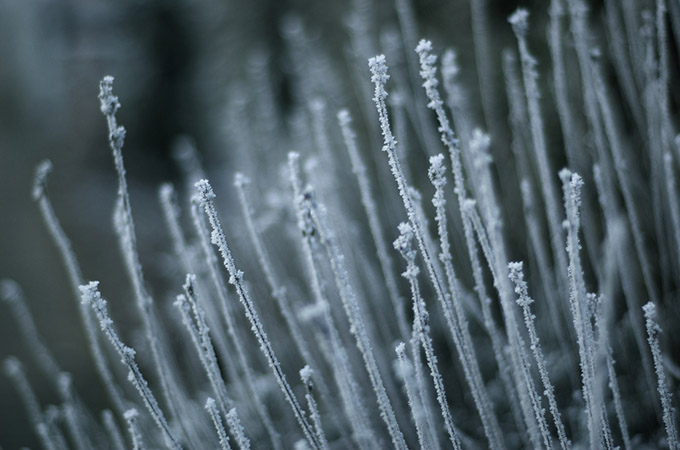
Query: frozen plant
296	325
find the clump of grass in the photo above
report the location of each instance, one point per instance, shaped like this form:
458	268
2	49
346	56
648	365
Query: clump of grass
323	297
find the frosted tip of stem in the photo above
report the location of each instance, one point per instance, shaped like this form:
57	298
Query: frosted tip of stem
293	157
400	348
90	292
189	282
449	64
306	374
519	21
479	147
131	414
210	404
516	268
109	102
317	105
650	311
166	190
40	182
469	204
12	366
424	46
344	118
232	414
427	59
565	175
437	170
516	275
10	290
204	189
181	302
240	180
65	381
575	182
403	242
596	54
480	141
378	66
525	186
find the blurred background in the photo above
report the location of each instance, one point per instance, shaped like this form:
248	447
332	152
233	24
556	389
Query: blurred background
178	66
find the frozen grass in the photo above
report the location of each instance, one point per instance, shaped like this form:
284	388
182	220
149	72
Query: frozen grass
524	304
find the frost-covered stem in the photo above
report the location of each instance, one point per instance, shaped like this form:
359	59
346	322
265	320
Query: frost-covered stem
317	109
533	396
664	75
617	145
533	414
479	147
91	296
556	311
521	138
190	263
653	332
228	315
572	184
437	176
14	370
115	440
457	101
403	245
622	61
352	400
199	331
276	287
485	61
448	138
368	202
12	294
306	374
409	35
379	78
470	214
520	27
521	141
497	341
75	279
616	395
125	229
131	416
237	431
598	355
258	68
524	301
673	199
53	418
615	224
571	128
168	200
516	397
72	414
423	392
418	412
578	12
352	310
564	107
211	407
206	196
